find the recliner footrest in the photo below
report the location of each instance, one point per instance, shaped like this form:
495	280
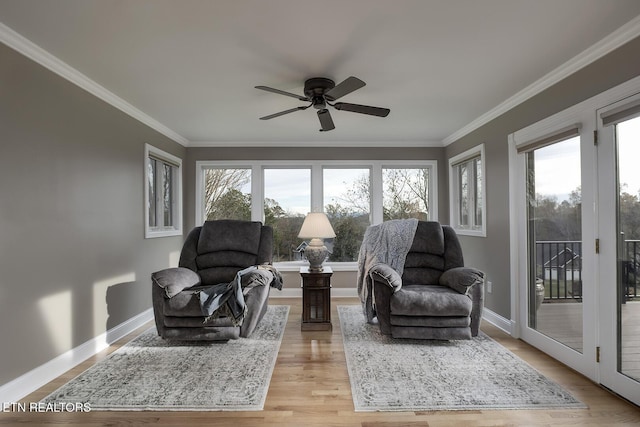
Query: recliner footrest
431	322
224	333
196	322
430	333
430	300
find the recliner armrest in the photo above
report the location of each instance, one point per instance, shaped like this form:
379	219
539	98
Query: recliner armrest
460	279
387	275
175	280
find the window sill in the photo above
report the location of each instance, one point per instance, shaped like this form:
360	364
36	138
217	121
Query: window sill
467	232
152	234
295	266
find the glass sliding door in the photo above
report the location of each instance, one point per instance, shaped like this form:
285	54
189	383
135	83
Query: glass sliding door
575	237
618	157
627	135
554	222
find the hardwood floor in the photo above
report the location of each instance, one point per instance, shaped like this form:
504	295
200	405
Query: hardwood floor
310	387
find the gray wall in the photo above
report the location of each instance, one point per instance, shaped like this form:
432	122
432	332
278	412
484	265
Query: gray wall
492	253
73	258
340	279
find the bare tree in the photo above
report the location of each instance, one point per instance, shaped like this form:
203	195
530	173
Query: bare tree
406	193
357	198
218	182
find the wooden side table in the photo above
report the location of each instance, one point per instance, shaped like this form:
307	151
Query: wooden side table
316	299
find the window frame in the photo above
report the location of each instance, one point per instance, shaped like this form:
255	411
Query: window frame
317	193
455	195
175	228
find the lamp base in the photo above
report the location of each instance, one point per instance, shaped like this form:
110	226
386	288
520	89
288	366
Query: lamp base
316	253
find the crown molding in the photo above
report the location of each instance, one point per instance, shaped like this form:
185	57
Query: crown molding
622	35
305	144
34	52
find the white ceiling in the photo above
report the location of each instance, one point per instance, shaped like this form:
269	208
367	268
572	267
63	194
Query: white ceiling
189	67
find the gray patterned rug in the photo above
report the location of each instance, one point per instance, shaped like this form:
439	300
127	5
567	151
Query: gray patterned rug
390	374
149	373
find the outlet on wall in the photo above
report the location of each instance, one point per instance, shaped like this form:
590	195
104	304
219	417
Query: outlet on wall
489	286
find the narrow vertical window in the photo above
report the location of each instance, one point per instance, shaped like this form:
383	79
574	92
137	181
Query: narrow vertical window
467	192
163	193
347	203
287	200
151	189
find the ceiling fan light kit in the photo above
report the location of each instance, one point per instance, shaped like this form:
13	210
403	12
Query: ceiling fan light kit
322	92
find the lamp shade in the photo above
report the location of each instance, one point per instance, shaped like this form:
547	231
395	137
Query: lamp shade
316	225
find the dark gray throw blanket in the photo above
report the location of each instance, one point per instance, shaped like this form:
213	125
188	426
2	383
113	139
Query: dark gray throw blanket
387	243
227	299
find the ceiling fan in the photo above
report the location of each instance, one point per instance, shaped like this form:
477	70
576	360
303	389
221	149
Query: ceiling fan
320	92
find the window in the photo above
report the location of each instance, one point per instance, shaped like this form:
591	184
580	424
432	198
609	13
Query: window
227	193
405	193
287	199
163	198
354	194
467	192
347	203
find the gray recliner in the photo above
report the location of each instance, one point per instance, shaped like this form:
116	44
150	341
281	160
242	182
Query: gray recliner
436	297
211	255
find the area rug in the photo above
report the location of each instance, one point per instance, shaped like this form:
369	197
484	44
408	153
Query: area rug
390	374
150	373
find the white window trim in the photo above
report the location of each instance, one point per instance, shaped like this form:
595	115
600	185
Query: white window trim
317	196
176	229
453	191
317	166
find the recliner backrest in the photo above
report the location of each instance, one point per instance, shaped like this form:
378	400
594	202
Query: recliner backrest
434	250
221	248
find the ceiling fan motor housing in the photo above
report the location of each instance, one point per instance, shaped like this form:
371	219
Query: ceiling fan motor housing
315	88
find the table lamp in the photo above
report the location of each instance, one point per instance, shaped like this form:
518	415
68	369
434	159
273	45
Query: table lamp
316	226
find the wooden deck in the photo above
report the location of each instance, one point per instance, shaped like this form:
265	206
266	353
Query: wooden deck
563	322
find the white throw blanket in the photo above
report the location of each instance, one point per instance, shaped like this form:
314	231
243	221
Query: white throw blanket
386	243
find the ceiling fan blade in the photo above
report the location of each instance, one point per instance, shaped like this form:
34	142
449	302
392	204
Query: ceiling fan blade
282	113
347	86
281	92
362	109
325	120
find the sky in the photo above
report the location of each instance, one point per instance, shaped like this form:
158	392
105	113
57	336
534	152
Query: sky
291	188
557	169
558	165
629	154
557	173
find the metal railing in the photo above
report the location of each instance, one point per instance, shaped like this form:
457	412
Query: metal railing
559	266
631	268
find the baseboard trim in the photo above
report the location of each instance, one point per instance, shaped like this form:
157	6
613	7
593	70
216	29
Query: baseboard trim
498	321
26	384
